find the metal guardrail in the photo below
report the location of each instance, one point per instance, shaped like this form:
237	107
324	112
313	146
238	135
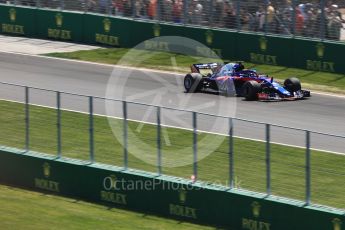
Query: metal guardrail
73	125
313	19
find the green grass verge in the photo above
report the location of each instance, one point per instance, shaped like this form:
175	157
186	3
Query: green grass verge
320	81
22	209
287	163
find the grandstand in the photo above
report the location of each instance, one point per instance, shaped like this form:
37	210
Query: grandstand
312	19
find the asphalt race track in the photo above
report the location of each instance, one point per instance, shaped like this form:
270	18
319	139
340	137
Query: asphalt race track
320	113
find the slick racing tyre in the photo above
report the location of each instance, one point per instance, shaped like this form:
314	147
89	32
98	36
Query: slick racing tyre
250	90
292	84
192	82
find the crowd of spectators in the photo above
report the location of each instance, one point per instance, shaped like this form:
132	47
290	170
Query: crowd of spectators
301	18
309	18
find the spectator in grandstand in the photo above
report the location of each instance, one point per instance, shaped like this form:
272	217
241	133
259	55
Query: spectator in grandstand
117	7
334	22
320	31
145	7
270	22
299	22
310	25
328	4
260	18
91	5
334	11
207	11
285	8
166	10
217	13
102	6
177	11
230	17
301	8
140	9
195	12
247	20
137	8
152	9
127	8
198	14
285	12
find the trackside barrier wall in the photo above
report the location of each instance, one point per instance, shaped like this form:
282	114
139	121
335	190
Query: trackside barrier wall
120	32
18	21
162	195
107	31
65	26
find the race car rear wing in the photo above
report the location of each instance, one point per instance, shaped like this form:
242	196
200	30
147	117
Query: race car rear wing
195	68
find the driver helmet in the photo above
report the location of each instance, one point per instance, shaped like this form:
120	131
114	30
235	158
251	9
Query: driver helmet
238	67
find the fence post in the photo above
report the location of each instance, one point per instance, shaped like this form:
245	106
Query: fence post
91	133
159	144
268	160
231	153
195	147
125	135
307	169
58	123
27	120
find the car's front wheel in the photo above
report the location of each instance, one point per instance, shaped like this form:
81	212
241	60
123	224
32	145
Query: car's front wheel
250	90
292	84
192	82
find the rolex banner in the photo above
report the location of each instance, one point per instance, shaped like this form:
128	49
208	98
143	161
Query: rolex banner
60	25
17	21
148	193
260	49
215	42
108	31
318	56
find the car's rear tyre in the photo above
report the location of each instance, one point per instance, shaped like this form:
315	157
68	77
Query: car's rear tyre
250	90
292	84
192	82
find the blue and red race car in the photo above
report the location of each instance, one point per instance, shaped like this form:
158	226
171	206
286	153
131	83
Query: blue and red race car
232	79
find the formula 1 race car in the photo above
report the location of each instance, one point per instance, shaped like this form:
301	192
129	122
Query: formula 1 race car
231	79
